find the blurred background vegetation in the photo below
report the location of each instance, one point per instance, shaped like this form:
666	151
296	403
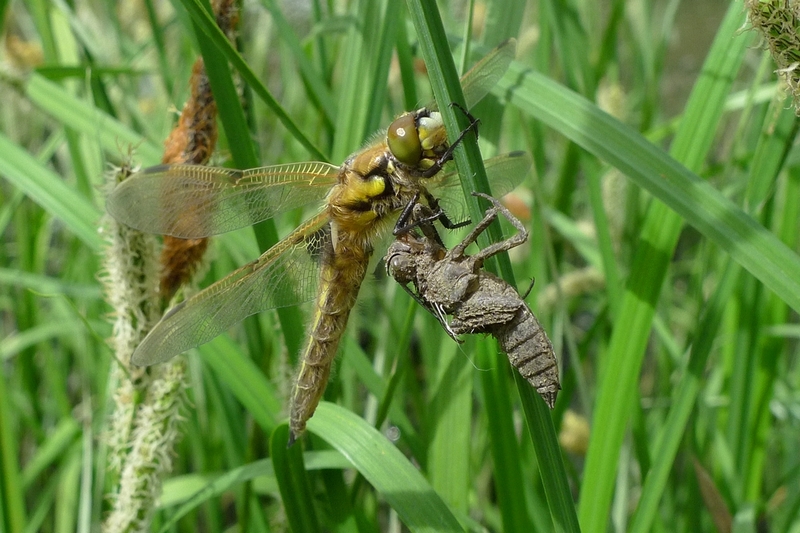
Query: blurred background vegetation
663	209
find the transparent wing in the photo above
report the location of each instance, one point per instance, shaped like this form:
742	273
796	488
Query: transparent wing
485	74
505	173
192	201
286	274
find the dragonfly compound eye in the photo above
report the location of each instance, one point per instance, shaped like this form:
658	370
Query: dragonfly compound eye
403	140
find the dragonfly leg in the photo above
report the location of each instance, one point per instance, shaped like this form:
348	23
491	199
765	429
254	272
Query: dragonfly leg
529	289
417	215
469	115
441	216
404	224
502	246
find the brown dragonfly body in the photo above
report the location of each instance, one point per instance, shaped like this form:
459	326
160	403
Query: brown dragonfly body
373	185
326	258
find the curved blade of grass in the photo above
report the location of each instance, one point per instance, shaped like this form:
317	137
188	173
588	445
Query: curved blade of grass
15	343
651	168
245	380
48	285
83	117
216	487
49	190
419	507
237	476
378	387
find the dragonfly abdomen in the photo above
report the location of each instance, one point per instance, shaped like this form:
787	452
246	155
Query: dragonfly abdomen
341	276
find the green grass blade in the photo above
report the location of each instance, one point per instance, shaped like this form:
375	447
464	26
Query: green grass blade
719	374
48	285
651	168
364	68
379	82
670	435
451	412
217	51
399	482
244	379
190	491
62	438
319	92
363	369
293	482
548	456
503	22
48	190
229	107
503	442
446	88
83	117
161	50
13	513
88	120
617	384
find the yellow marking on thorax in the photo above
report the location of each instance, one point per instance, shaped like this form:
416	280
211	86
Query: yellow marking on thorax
356	189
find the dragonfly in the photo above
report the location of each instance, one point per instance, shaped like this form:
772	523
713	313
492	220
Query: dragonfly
325	258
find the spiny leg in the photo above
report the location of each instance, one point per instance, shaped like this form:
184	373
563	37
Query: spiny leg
529	289
441	216
491	214
458	250
405	222
417	215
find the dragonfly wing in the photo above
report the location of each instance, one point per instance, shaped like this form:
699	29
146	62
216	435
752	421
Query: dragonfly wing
286	274
505	172
192	201
485	74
